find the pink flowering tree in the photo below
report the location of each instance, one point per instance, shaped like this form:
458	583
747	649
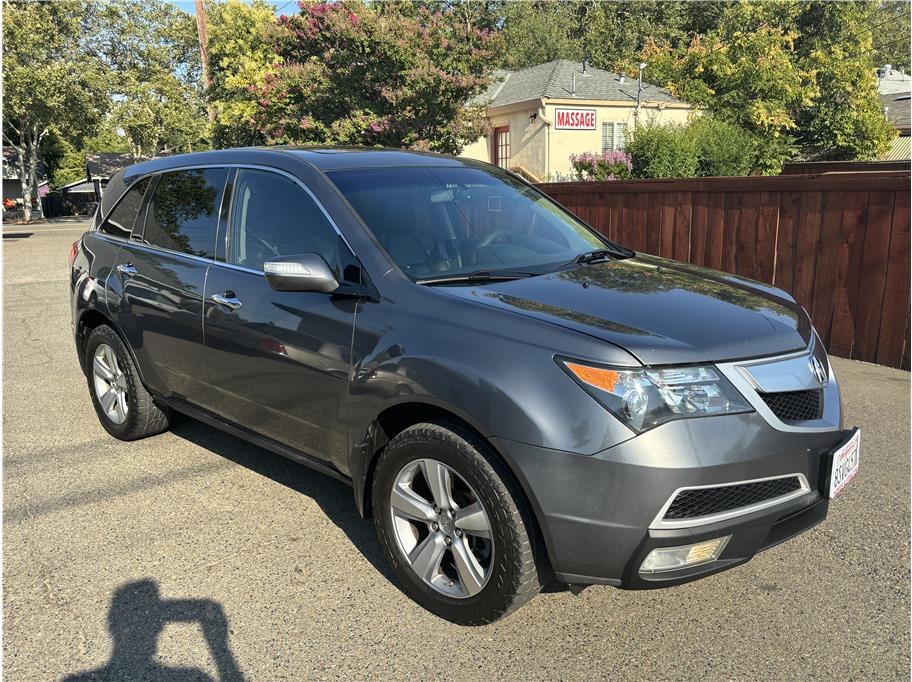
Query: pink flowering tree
351	75
605	166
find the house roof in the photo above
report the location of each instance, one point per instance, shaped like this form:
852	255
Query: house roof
80	186
555	80
891	81
103	165
11	166
900	150
897	107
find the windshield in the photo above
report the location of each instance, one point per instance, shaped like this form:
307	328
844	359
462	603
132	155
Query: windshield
440	222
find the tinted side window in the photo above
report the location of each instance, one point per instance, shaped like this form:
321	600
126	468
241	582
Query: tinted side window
183	214
120	222
272	216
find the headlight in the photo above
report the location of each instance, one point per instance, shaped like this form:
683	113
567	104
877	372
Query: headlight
645	398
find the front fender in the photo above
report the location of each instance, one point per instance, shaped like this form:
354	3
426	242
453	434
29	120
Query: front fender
503	382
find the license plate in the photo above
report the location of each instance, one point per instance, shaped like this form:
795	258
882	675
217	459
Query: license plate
845	464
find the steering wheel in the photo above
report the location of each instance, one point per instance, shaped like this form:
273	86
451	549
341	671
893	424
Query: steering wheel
487	239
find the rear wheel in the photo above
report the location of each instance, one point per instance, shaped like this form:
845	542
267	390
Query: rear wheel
454	525
125	408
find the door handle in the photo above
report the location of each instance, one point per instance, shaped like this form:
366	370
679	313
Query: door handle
127	269
227	301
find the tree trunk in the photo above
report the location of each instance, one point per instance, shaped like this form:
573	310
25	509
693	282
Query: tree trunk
33	171
22	151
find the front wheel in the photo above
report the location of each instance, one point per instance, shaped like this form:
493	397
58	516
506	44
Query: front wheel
454	525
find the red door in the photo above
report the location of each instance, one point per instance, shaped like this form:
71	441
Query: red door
501	144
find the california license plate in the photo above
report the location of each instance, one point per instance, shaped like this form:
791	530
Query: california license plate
845	464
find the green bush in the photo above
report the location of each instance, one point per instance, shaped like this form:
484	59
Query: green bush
663	151
704	147
722	148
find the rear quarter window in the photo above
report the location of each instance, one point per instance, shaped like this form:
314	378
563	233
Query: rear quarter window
120	222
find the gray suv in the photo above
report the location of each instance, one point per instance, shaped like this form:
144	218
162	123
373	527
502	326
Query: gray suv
516	400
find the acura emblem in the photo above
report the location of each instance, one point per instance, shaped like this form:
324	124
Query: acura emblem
818	370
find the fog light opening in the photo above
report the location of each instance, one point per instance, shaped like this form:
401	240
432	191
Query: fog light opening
673	558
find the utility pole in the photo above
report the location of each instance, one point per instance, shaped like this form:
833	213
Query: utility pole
636	112
204	54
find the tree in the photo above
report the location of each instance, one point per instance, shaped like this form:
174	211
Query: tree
152	51
240	55
744	71
541	31
891	29
351	75
846	120
616	33
48	82
65	162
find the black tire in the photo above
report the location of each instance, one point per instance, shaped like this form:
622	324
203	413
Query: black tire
144	417
518	568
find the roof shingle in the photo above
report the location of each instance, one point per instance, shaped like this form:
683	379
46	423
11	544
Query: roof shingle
897	109
555	80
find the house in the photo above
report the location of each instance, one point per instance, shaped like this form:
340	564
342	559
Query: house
897	110
12	184
541	115
81	196
892	81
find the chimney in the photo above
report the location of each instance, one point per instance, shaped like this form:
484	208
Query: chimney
887	70
621	79
584	66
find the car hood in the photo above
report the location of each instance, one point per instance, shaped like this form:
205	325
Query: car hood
661	311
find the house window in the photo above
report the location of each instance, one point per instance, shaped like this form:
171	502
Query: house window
613	136
501	143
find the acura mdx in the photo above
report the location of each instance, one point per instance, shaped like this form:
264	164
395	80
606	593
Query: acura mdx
513	398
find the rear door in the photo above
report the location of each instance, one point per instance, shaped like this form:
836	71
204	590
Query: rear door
279	359
160	274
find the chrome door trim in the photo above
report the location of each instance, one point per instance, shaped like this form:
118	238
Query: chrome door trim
661	523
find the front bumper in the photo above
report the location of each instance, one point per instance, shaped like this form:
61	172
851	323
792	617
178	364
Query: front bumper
595	512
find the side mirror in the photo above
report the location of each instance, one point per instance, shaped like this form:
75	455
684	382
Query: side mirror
304	272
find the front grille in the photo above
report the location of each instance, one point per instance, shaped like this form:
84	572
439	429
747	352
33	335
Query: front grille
796	406
689	504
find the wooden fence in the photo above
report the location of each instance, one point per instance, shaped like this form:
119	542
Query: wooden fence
839	242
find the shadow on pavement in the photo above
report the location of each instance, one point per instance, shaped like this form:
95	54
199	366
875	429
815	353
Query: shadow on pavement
17	235
137	617
334	497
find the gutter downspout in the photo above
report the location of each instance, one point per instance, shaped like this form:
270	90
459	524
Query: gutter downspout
544	119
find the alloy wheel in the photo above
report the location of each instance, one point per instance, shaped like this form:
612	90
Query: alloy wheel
442	528
110	384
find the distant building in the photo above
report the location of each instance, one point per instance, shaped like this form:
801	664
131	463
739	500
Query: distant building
82	195
12	185
542	114
897	110
893	81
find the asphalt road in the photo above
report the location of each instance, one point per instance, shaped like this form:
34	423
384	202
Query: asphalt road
195	551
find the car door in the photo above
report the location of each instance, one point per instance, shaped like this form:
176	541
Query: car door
279	360
160	274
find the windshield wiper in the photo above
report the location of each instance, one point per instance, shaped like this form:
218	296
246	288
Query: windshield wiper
593	256
477	276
